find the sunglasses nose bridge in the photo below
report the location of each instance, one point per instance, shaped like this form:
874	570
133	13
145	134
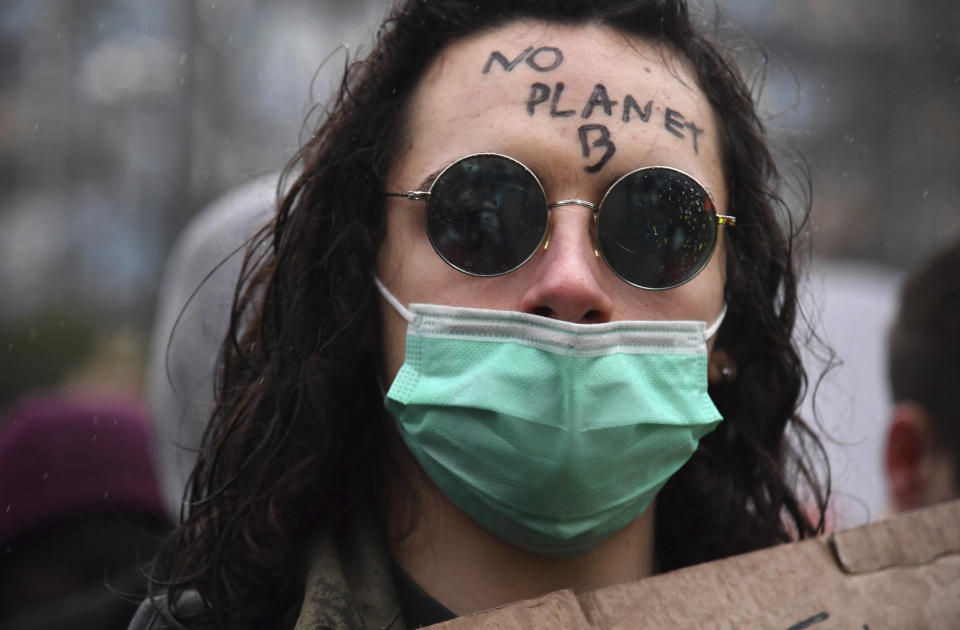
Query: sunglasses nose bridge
574	202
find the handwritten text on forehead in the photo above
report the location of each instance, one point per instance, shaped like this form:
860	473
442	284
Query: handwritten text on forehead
543	59
551	100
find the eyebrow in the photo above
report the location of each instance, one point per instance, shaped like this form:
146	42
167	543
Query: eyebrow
432	177
548	173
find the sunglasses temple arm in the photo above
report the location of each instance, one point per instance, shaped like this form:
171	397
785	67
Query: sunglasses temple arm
412	195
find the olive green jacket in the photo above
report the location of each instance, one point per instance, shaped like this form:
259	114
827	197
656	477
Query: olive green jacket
349	587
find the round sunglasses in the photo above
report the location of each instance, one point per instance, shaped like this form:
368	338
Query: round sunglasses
487	214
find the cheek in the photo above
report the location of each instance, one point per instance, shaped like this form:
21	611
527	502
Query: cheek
700	299
394	340
395	248
709	285
717	267
396	243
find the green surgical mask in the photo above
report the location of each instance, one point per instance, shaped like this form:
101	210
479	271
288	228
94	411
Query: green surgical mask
550	434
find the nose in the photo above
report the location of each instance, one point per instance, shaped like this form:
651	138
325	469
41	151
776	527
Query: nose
565	282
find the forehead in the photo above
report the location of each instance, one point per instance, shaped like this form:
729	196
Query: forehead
566	99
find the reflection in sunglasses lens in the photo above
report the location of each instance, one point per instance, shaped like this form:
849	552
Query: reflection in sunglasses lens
656	228
486	215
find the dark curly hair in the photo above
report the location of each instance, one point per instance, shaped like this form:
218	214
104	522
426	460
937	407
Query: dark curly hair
299	441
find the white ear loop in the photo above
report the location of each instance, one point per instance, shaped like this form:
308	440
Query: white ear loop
711	330
401	309
394	302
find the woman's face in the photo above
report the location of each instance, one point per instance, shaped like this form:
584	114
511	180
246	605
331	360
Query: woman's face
580	106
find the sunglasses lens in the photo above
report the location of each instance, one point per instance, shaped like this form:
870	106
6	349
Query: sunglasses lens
486	215
657	228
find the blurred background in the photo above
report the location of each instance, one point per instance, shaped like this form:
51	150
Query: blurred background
121	119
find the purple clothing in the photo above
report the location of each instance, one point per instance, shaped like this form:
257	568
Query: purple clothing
63	456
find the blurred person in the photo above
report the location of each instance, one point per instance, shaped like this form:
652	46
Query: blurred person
522	322
79	509
923	440
191	320
851	305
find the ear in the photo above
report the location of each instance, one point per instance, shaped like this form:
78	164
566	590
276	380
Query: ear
909	456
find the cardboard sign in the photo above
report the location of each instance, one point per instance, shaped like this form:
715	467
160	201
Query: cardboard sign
900	573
